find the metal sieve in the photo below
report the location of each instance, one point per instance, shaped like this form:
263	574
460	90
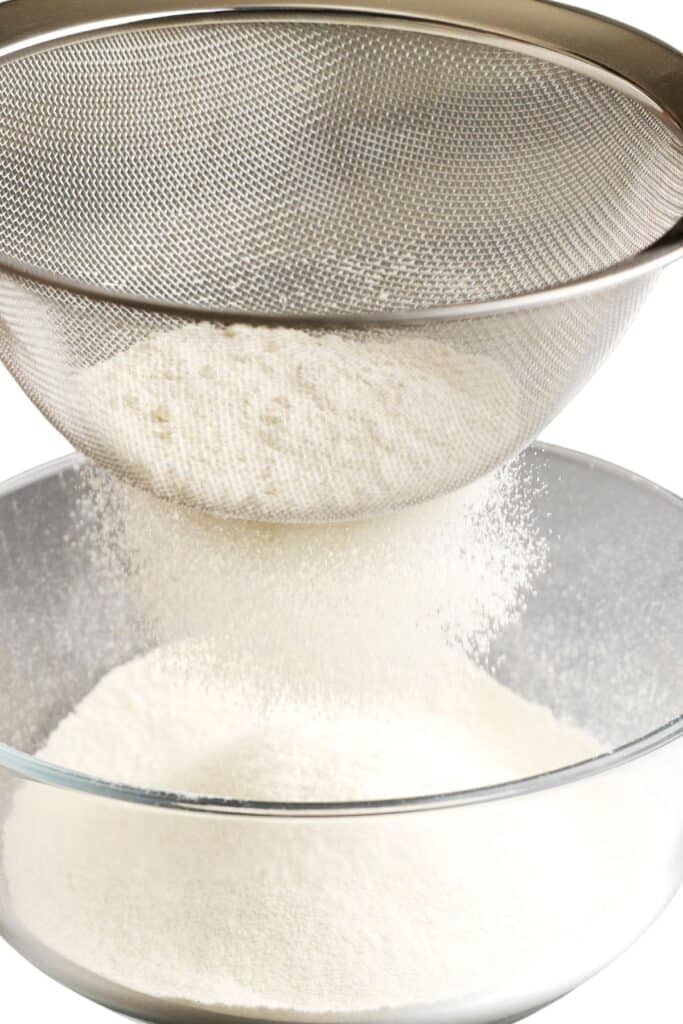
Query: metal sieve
490	188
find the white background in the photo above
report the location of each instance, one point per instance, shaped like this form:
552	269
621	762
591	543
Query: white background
631	414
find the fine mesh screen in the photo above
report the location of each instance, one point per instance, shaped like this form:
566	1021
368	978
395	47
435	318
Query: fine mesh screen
323	168
273	166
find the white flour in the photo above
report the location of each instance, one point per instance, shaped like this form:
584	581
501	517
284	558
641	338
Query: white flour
315	915
314	664
464	563
307	663
141	725
275	424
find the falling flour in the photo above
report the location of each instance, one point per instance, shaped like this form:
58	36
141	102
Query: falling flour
464	563
315	915
276	424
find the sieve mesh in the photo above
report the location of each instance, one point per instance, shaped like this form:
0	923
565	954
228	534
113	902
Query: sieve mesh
323	168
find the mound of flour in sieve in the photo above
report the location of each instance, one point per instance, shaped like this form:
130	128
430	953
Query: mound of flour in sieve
276	424
320	916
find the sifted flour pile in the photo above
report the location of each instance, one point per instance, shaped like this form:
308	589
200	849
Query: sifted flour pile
318	916
275	424
462	729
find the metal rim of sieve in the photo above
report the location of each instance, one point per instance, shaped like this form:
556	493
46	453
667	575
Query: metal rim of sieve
33	769
630	61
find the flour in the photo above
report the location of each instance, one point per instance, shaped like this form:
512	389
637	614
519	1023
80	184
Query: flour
303	663
465	564
275	424
318	664
141	723
315	915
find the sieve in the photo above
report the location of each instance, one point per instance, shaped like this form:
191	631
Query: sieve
472	200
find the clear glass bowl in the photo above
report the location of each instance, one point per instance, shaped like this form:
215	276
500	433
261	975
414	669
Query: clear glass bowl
584	857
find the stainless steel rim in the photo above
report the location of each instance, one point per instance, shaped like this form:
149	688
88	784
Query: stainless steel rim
34	769
628	59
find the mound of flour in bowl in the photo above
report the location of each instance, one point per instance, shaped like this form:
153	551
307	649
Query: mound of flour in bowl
319	916
275	424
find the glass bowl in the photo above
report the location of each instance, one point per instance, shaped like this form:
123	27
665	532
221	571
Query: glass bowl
541	881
